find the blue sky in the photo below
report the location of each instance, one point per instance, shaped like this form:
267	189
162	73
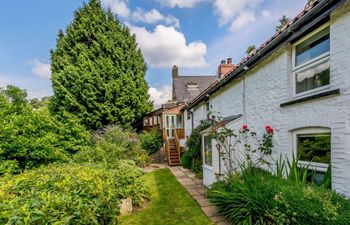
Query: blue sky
194	34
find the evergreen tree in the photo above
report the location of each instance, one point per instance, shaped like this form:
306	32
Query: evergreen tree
283	22
98	71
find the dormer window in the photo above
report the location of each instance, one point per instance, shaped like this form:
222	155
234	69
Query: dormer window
192	87
311	67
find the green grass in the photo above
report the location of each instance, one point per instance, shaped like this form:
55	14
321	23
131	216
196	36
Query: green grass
170	204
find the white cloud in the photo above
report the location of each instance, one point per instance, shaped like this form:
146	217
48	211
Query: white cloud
179	3
242	19
166	46
236	13
161	95
153	16
266	13
35	87
119	7
41	69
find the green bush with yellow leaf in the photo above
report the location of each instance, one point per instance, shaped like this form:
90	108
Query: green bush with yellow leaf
69	194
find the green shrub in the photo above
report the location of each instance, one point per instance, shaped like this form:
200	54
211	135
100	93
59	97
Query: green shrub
34	137
186	161
69	194
196	165
112	144
151	141
258	197
194	144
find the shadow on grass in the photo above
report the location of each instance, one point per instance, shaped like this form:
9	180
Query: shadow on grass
170	204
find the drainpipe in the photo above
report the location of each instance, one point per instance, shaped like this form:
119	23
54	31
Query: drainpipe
244	96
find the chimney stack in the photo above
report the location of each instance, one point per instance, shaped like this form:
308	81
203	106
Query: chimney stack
175	72
225	66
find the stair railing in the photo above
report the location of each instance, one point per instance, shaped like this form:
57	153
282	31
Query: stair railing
177	143
167	146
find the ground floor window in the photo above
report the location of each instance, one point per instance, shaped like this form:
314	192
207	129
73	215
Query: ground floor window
313	146
207	151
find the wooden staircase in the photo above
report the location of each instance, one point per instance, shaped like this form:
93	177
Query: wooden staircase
172	148
174	158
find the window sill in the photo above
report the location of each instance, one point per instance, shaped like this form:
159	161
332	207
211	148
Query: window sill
320	167
205	166
311	97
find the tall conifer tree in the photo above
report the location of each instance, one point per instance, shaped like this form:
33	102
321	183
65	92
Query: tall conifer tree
98	71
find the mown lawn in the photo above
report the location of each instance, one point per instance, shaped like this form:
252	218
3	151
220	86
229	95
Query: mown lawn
170	204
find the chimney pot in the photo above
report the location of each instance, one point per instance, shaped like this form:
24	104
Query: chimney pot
175	71
225	67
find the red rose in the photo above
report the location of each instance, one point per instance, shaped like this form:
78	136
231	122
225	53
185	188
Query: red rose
269	129
245	127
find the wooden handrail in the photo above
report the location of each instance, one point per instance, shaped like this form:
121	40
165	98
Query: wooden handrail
167	145
177	143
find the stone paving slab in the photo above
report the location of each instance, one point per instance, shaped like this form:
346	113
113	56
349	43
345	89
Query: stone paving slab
196	189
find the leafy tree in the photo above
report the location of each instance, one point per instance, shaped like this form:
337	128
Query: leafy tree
29	138
98	71
39	103
250	49
283	22
151	141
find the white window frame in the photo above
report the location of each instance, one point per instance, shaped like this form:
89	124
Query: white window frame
309	64
203	151
320	167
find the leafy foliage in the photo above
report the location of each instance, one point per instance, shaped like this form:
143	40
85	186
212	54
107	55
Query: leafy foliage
251	148
112	144
258	197
29	138
69	194
194	144
250	49
98	71
151	141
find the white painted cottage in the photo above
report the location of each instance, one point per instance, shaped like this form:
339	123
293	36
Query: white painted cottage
299	83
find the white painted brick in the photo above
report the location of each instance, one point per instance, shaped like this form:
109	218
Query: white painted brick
269	84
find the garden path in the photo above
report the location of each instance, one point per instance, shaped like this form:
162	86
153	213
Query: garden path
195	187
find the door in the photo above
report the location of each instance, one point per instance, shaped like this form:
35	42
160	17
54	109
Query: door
170	124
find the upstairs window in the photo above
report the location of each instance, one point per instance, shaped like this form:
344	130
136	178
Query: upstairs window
311	67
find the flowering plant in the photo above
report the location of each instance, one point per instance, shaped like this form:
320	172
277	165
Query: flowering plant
242	148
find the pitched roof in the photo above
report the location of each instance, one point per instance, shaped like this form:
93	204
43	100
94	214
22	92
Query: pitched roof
181	91
276	40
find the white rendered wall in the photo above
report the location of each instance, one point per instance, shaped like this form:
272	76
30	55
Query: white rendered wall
269	84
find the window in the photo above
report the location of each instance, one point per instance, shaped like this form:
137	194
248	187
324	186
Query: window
207	109
311	67
188	115
192	87
160	120
313	146
150	121
155	120
178	121
207	151
145	121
